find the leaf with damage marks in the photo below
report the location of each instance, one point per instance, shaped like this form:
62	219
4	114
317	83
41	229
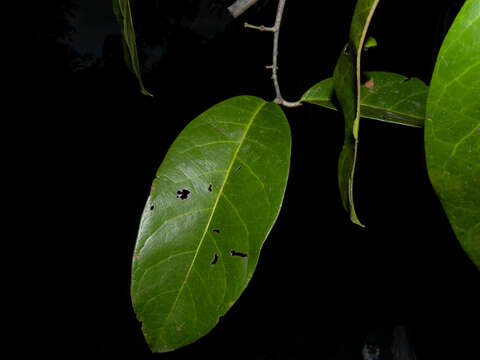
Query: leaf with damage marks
346	82
123	14
452	128
384	96
213	202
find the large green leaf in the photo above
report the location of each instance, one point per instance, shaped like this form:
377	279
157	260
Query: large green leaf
123	14
346	82
213	202
384	96
452	128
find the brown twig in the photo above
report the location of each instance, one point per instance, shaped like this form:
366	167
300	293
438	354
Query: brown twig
274	67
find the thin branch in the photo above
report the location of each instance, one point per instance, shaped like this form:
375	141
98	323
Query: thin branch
240	6
260	28
274	67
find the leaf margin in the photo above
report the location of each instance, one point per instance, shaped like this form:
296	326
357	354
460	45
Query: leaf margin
446	171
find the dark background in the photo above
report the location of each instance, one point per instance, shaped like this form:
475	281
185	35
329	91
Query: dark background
81	147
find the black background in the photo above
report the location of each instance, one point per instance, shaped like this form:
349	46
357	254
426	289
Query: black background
81	148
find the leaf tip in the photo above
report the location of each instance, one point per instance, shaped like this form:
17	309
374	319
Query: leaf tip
355	220
145	92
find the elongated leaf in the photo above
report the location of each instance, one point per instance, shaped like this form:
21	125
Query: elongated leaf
212	204
346	82
452	128
123	14
384	96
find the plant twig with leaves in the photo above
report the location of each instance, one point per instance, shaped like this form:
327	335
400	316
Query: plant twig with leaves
219	189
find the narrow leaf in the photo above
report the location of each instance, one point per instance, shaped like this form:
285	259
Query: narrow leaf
123	14
215	198
384	96
346	82
452	128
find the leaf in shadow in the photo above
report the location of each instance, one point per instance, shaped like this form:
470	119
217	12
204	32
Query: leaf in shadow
123	14
346	82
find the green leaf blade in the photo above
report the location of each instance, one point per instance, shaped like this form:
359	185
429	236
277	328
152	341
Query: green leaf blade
123	14
370	42
321	94
197	251
346	82
452	128
387	97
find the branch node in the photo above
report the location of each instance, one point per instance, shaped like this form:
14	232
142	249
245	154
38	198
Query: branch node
274	67
281	101
259	28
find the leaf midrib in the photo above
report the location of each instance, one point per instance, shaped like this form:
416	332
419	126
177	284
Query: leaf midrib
356	121
227	174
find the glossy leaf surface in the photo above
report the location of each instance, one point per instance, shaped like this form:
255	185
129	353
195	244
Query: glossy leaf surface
213	202
123	14
452	128
384	96
346	82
